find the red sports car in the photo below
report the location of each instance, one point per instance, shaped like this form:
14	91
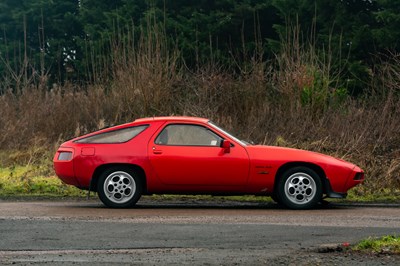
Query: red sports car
188	155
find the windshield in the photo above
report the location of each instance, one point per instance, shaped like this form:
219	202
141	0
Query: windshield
241	142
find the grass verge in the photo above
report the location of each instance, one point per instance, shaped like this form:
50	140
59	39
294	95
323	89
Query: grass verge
33	181
389	244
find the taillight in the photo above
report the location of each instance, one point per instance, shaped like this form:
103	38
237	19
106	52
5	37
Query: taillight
65	156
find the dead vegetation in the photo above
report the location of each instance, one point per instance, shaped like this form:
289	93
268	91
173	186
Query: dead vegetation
294	100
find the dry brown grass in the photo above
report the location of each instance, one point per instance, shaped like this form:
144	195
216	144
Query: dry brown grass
291	101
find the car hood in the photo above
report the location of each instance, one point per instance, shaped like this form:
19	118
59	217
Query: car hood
273	153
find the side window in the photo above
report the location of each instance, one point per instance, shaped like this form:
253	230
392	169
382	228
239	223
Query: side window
187	135
115	136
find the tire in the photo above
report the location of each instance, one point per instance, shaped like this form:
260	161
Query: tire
119	187
299	188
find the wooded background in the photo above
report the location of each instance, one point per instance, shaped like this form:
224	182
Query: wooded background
71	39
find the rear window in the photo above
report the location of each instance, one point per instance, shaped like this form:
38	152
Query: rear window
116	136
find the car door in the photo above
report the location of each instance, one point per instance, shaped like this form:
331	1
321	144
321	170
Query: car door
190	154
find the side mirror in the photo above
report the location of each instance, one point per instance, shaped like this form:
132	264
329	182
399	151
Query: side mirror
226	145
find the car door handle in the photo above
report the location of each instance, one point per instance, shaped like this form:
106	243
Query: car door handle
155	151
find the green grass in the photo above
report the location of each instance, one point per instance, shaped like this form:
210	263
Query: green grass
33	181
383	195
387	244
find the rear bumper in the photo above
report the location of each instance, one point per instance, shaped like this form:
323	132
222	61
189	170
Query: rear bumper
64	168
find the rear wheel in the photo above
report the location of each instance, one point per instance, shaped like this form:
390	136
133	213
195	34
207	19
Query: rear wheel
299	188
119	187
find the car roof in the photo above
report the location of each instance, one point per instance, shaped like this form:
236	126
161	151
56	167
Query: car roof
172	118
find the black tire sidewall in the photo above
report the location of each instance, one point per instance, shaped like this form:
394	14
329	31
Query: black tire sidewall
281	188
104	198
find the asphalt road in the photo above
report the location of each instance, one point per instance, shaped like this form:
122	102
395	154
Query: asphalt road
196	233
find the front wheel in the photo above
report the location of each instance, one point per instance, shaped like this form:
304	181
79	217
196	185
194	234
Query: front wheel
299	188
119	187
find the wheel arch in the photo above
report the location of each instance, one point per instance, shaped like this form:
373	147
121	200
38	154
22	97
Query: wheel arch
97	172
316	168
